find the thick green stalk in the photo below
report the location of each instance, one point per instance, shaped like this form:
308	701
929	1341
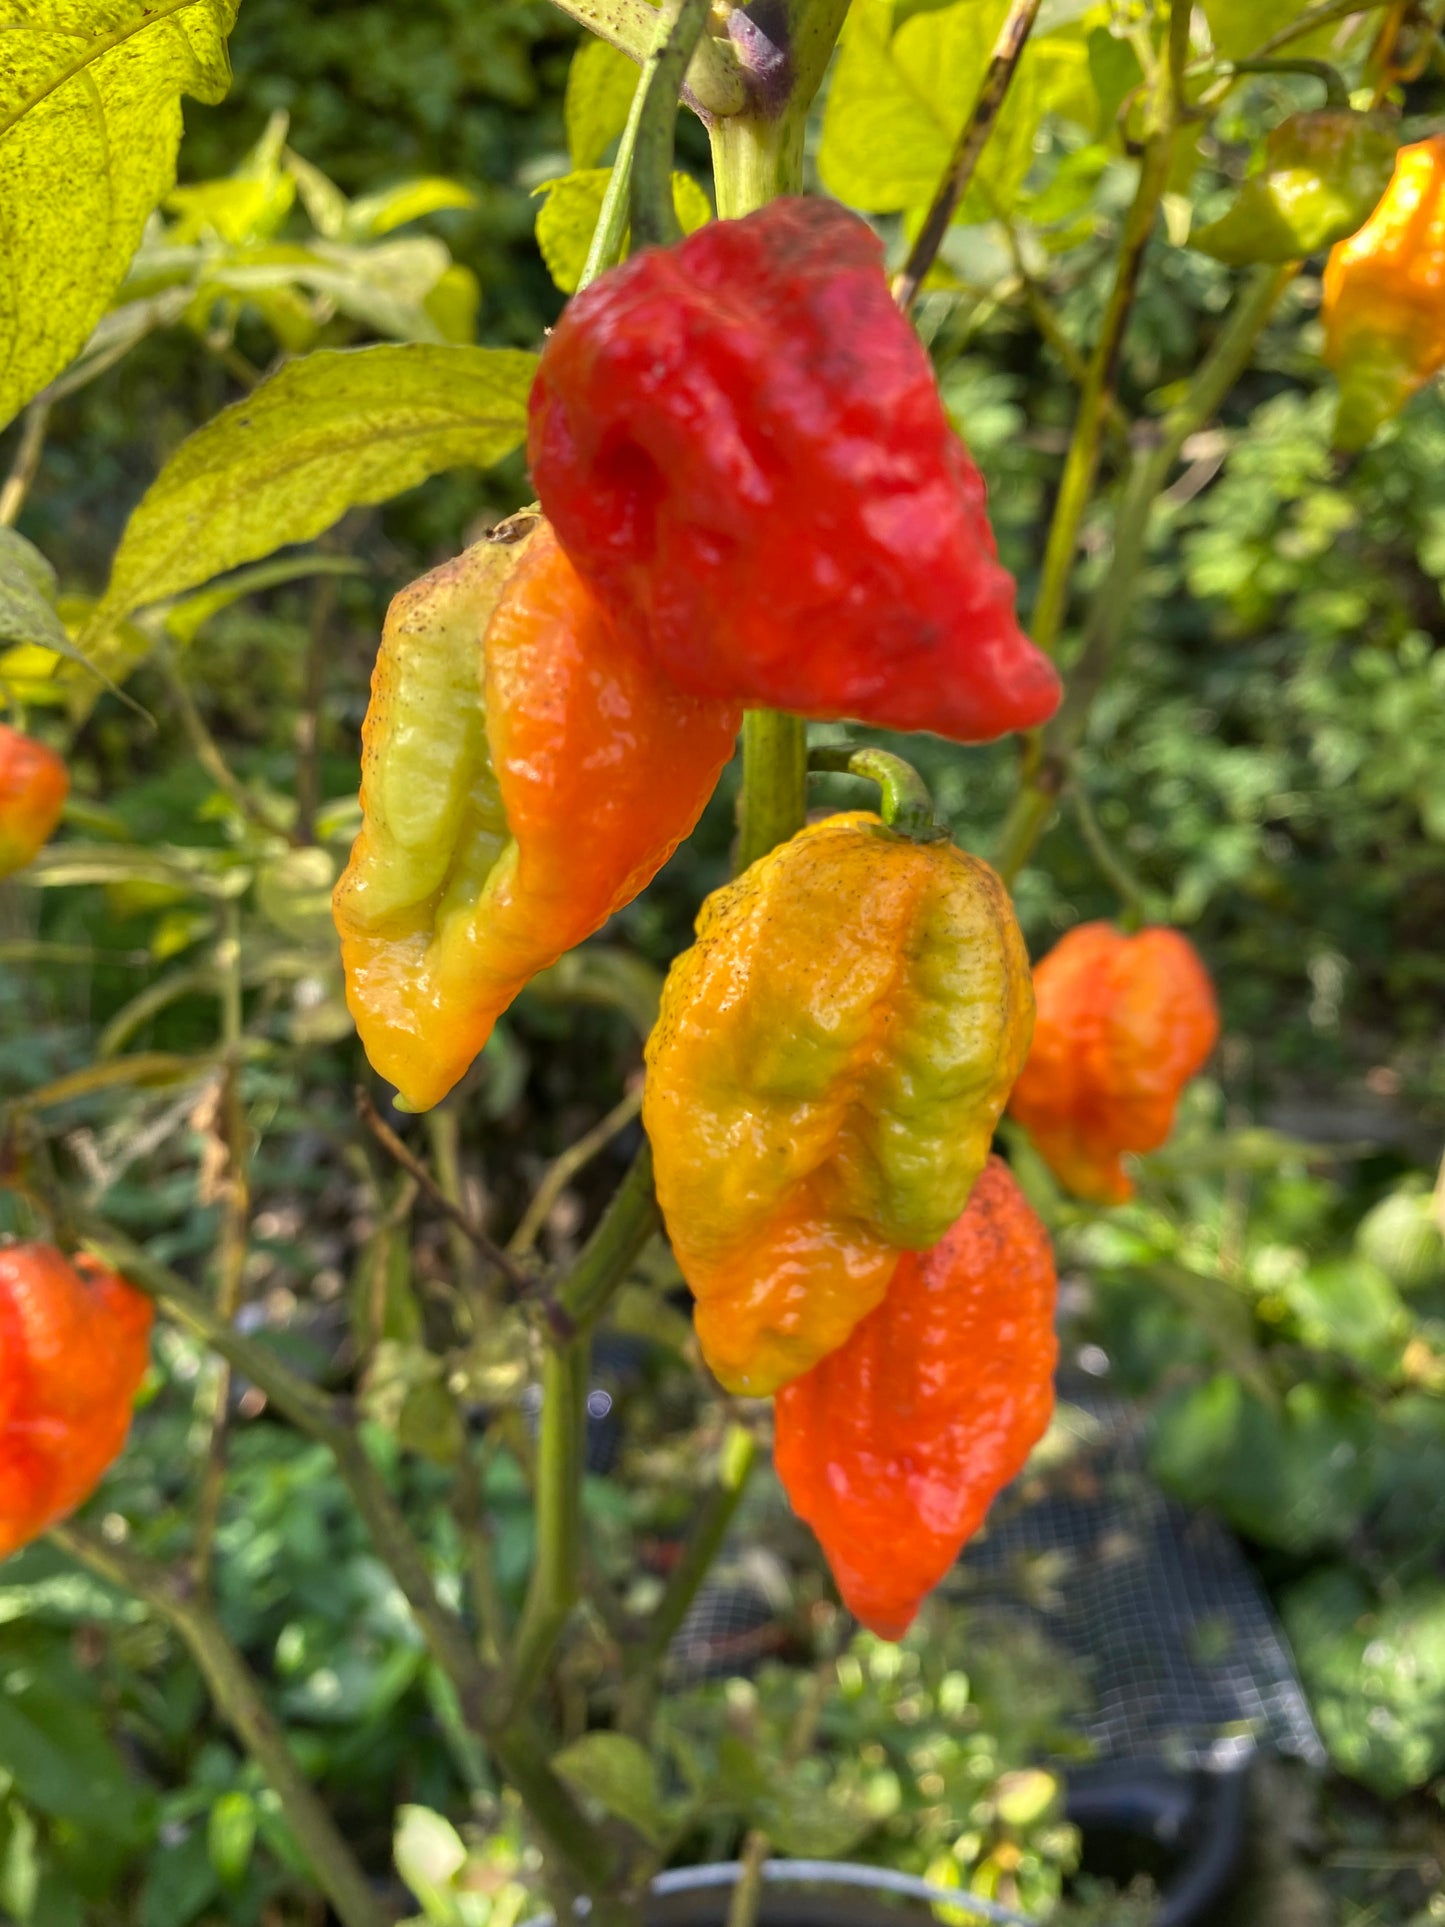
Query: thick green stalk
774	799
238	1696
756	156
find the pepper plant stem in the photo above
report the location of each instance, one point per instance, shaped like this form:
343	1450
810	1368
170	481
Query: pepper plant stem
578	1847
553	1588
237	1694
704	1542
1217	374
998	75
1082	462
714	82
757	156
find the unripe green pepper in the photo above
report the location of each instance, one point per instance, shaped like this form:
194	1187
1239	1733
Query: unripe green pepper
1323	173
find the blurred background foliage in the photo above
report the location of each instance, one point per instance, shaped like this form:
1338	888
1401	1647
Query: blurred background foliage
1268	767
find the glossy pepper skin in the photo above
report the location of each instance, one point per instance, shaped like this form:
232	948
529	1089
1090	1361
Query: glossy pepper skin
895	1445
74	1342
743	449
34	784
1384	297
826	1072
525	773
1123	1024
1322	174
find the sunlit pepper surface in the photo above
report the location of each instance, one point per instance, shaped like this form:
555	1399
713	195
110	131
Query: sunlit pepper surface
34	784
74	1342
525	773
826	1072
1384	297
1123	1024
895	1445
742	446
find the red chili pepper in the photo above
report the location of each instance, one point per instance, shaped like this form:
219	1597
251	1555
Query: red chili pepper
74	1341
895	1445
34	784
741	445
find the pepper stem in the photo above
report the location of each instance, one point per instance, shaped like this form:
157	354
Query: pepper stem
654	218
1337	94
905	804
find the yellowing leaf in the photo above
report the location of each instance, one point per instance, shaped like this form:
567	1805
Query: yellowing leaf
327	432
898	101
568	217
90	118
600	85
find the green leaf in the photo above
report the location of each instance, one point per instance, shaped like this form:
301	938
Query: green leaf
803	1819
429	1854
327	432
90	119
600	85
1238	27
898	101
1295	1479
1348	1305
620	1776
568	216
57	1752
393	207
27	595
1375	1674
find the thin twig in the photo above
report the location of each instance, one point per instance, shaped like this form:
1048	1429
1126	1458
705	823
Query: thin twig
517	1275
564	1168
34	423
654	119
1111	867
233	1246
997	77
1081	466
207	751
238	1695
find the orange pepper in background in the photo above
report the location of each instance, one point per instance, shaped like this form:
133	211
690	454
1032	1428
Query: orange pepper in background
34	784
74	1344
1384	297
826	1072
526	772
1122	1025
896	1444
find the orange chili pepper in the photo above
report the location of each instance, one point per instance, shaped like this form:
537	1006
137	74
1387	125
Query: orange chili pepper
1122	1025
1384	297
526	773
895	1445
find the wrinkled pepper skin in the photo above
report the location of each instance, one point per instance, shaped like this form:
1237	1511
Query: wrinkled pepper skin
34	784
1123	1024
743	449
823	1081
895	1445
74	1343
525	773
1322	174
1384	297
